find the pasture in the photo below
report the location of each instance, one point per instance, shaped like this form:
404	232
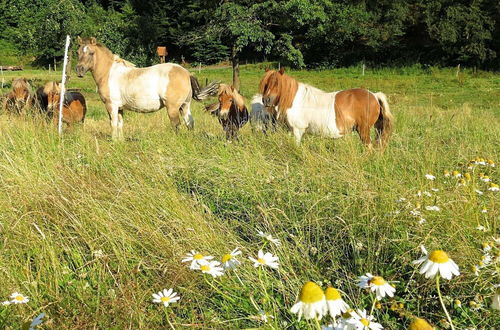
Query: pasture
90	228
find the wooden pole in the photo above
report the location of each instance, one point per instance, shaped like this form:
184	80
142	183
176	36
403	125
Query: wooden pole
1	69
63	85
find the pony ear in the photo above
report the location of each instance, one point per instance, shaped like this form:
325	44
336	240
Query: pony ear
282	70
232	88
266	69
93	41
79	40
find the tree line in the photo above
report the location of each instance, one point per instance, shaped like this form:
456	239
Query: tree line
298	33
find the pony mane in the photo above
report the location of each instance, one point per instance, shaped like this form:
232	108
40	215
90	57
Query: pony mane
118	59
20	83
238	99
51	86
285	86
108	52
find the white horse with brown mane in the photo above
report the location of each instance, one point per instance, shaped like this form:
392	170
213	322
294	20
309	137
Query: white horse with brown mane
123	86
308	109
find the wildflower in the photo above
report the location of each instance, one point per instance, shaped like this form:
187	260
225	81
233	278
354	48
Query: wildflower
436	261
421	221
456	174
475	270
420	324
484	210
377	284
426	193
17	298
265	259
446	174
479	192
271	239
485	260
433	208
430	177
486	247
360	320
165	297
196	258
311	303
229	260
210	267
467	176
493	187
401	200
485	178
474	305
5	303
491	163
435	189
481	228
457	303
37	321
334	302
462	182
415	213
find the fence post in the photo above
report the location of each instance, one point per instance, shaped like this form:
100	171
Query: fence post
63	85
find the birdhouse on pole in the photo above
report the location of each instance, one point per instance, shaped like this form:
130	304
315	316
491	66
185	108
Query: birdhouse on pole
162	53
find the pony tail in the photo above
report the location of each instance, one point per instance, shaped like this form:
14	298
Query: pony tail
201	94
385	122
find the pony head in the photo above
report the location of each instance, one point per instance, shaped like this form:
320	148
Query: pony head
278	90
228	97
86	53
53	90
21	92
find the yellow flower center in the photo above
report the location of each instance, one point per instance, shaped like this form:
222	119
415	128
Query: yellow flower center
377	280
439	256
365	322
455	173
205	268
226	257
261	261
311	293
420	324
467	176
165	299
332	294
197	256
19	298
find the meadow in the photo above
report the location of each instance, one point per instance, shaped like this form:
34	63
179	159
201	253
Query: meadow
90	228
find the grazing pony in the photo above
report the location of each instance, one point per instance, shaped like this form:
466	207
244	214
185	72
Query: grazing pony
17	100
260	118
123	86
74	106
230	110
308	109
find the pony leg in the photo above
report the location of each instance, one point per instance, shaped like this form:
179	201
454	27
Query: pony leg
298	132
364	134
173	110
186	115
113	117
120	124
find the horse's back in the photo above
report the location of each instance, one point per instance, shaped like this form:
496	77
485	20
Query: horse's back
75	107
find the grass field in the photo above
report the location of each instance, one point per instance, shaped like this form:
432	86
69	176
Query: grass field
90	229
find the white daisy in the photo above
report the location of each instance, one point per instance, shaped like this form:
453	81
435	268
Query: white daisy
376	284
430	177
475	270
311	303
446	174
433	208
210	267
481	228
196	258
491	163
265	259
5	303
486	179
437	261
479	192
17	298
270	238
165	297
415	213
435	189
36	321
421	221
360	320
484	210
229	260
334	302
494	187
456	174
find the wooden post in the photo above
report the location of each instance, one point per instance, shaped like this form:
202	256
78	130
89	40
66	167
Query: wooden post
162	53
458	69
63	85
199	67
235	60
363	69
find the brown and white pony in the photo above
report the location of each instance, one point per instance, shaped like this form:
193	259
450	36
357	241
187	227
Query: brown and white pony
231	110
20	98
122	86
74	106
308	109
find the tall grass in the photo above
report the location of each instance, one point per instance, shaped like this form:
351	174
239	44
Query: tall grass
89	229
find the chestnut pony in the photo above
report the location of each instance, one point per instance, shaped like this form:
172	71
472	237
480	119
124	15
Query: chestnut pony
20	98
308	109
122	86
74	106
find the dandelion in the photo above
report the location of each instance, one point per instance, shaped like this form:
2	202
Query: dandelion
265	259
360	320
420	324
210	267
456	174
433	208
17	298
229	260
36	321
334	302
430	177
195	258
270	238
437	261
311	303
376	284
493	187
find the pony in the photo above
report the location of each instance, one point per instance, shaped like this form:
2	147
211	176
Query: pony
260	118
20	98
74	105
122	86
308	109
230	110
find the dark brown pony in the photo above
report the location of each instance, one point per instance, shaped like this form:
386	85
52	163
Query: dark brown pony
20	98
308	109
230	110
74	106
